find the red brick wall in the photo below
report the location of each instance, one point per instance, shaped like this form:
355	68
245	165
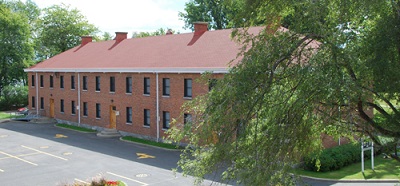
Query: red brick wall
120	99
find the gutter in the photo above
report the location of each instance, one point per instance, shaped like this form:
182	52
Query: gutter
79	100
157	108
136	70
37	94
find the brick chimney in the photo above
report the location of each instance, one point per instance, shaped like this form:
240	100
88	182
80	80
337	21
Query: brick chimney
86	40
119	36
169	32
200	28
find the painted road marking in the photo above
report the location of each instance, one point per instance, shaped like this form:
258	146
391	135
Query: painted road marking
60	136
21	155
81	181
144	155
3	136
18	158
1	170
45	153
67	153
44	147
130	179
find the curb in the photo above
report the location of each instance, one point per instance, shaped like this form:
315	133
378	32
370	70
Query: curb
354	180
55	125
149	145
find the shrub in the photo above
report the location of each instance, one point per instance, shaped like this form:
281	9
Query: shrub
335	158
13	97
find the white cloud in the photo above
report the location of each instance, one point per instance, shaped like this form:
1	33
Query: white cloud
127	15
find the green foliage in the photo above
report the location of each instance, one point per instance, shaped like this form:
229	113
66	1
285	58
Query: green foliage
324	74
59	29
384	168
16	47
335	158
217	13
13	96
158	32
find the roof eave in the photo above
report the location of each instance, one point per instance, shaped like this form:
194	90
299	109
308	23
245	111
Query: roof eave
125	70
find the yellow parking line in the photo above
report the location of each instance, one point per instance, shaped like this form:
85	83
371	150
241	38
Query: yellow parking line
143	184
18	158
1	170
22	155
45	153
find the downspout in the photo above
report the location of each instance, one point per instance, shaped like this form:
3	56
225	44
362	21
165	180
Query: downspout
158	109
37	94
79	99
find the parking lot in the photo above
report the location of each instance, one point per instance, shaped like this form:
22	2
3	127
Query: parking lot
42	154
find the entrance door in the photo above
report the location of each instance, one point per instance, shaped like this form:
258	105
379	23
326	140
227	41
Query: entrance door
113	117
52	108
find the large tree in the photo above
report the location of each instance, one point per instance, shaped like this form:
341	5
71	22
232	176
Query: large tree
60	28
16	50
337	62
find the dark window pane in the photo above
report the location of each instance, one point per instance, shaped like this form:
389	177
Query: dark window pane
188	88
112	84
166	87
97	83
128	84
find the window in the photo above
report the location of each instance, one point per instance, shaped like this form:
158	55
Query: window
188	88
61	105
72	82
146	85
41	81
61	81
84	79
166	87
85	109
112	84
73	107
98	110
166	120
128	114
51	81
41	103
187	118
33	80
128	84
97	83
211	84
33	101
146	117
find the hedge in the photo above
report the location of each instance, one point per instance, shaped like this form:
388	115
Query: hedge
335	158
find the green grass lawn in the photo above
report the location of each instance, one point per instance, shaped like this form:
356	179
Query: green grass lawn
81	129
5	115
152	143
384	169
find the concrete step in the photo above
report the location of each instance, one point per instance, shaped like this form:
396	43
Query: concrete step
108	133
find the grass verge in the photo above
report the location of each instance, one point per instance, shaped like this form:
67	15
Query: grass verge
384	169
81	129
5	115
152	143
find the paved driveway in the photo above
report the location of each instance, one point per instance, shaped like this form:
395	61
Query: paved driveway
41	154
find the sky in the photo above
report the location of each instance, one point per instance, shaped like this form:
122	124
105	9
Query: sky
127	15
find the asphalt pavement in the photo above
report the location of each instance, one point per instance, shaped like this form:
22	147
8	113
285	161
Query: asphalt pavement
42	154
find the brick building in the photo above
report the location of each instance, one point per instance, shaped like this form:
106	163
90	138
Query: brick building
133	85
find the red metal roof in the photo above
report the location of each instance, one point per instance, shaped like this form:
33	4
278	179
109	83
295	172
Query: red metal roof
212	51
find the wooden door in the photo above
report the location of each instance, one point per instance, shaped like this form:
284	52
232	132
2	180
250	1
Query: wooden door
113	117
52	108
